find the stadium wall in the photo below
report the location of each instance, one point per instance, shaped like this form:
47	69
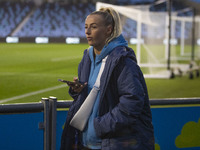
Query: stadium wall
32	40
84	40
40	125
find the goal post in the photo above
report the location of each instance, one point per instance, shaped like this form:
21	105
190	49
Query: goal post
151	35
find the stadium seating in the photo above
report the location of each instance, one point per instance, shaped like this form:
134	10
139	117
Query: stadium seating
132	2
56	20
60	19
51	20
11	14
130	29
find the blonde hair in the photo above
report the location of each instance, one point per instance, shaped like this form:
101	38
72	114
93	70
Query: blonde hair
111	17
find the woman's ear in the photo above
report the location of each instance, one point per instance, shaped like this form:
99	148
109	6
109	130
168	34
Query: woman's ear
109	30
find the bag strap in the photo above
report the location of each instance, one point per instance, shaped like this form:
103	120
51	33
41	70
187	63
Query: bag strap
97	83
81	117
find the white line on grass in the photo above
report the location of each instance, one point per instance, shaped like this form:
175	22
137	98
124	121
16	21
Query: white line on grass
32	93
65	58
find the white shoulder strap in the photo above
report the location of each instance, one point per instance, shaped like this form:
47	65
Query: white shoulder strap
81	117
97	83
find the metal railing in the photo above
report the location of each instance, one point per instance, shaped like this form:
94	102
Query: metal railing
174	101
49	108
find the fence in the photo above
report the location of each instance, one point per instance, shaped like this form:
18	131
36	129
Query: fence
47	108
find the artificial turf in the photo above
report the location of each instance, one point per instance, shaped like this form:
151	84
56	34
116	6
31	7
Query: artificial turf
28	67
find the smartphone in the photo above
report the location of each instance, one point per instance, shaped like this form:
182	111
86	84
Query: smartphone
65	81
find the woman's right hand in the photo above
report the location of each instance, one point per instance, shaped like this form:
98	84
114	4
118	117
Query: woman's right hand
76	86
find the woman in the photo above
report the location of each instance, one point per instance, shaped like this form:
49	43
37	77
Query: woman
121	117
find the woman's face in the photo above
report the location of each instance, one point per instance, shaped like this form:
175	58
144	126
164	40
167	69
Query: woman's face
96	31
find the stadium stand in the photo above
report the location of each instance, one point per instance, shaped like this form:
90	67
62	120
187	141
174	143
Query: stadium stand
57	20
129	28
11	14
25	19
51	19
133	2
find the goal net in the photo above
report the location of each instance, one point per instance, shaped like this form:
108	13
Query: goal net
182	25
149	32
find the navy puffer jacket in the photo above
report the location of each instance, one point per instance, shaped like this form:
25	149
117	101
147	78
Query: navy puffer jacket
125	120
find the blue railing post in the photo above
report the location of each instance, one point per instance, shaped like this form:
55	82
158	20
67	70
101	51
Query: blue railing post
46	122
53	119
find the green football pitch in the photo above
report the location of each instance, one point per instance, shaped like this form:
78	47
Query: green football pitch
29	72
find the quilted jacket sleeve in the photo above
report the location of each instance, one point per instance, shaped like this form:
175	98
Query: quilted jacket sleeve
81	76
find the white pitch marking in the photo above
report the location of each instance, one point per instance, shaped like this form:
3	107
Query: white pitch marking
65	58
32	93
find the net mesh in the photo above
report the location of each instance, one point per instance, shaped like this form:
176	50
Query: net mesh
150	33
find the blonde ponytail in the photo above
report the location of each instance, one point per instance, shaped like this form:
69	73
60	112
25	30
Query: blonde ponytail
117	28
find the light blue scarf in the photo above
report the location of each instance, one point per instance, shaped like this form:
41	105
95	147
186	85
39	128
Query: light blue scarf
90	139
96	64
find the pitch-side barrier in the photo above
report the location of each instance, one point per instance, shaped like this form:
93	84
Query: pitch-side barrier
39	125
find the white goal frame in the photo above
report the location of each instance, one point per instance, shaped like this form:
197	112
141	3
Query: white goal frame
141	15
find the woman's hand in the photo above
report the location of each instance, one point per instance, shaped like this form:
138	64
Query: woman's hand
76	85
